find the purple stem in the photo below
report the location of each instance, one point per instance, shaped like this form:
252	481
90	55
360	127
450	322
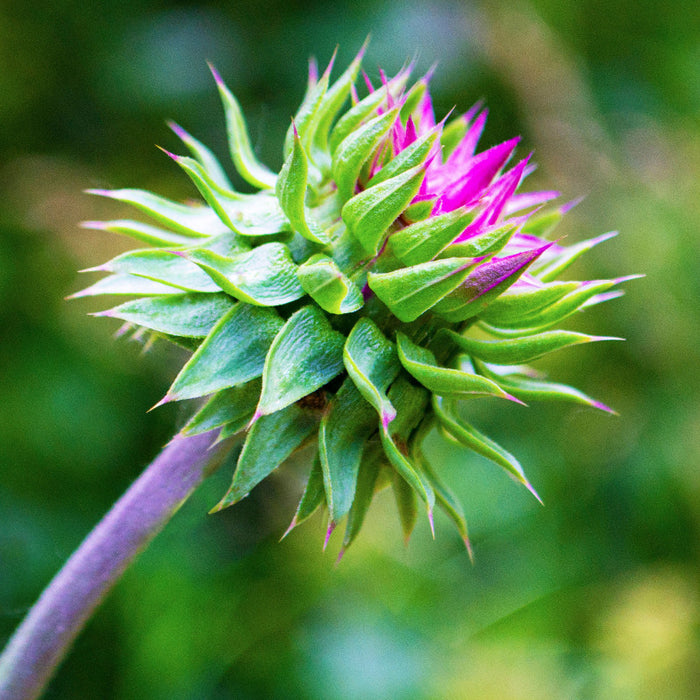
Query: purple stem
47	632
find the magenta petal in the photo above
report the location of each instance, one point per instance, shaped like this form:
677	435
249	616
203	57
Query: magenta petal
473	111
313	71
502	190
459	158
429	75
530	169
570	205
522	242
217	76
385	83
426	114
518	202
482	169
411	134
329	67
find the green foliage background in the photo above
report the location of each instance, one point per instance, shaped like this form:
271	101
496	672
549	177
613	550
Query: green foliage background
593	596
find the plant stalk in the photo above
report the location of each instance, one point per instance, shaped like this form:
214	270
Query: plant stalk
45	635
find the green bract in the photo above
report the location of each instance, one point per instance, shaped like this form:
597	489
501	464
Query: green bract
384	278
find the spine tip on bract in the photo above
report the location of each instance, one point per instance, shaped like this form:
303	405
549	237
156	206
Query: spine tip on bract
168	398
531	489
217	77
175	157
329	532
468	546
292	525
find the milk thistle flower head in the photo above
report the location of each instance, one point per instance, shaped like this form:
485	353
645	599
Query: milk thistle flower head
386	277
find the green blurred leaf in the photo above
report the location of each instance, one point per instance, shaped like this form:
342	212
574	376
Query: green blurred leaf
312	498
206	158
410	402
304	119
162	266
452	134
124	284
140	231
211	193
542	224
406	504
443	495
248	215
514	305
412	98
470	437
561	309
372	460
550	269
195	221
529	389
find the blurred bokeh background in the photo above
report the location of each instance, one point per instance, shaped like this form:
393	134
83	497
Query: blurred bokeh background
593	596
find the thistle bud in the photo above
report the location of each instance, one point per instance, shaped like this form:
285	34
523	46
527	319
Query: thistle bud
388	275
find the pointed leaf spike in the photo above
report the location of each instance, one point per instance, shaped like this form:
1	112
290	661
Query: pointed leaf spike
204	155
166	399
531	489
292	525
471	438
242	154
431	520
329	532
260	457
421	364
291	192
519	350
